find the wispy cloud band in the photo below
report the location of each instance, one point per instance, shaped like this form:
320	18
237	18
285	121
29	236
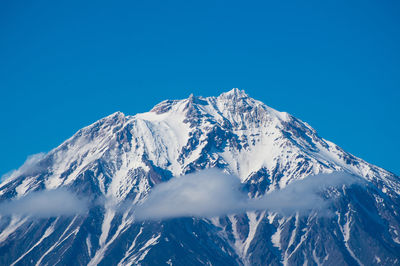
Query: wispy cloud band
212	193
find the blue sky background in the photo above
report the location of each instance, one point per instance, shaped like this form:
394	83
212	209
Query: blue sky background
334	64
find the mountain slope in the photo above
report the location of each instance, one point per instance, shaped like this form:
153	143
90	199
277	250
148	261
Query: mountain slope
121	158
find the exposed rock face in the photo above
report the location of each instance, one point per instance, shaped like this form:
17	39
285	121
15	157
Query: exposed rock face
122	157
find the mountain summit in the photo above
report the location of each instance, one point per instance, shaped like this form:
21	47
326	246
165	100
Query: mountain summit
119	159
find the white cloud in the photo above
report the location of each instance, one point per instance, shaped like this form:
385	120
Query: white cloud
206	193
212	193
47	203
31	166
302	195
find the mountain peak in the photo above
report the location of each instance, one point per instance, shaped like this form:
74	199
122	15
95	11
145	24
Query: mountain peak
119	159
235	93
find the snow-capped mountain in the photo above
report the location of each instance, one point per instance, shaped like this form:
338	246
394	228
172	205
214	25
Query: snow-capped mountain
121	158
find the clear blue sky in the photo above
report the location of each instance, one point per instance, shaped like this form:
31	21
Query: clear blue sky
334	64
